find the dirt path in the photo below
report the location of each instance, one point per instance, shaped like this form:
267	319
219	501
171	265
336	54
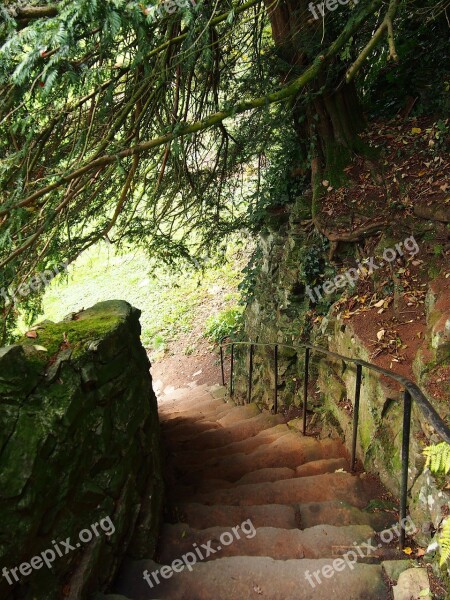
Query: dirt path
178	369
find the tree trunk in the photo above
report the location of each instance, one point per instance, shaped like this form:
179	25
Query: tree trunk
331	119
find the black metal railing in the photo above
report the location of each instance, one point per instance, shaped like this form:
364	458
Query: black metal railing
411	392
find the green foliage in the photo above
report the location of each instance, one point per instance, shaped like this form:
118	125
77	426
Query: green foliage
312	260
94	102
444	542
438	458
438	461
247	286
170	301
227	323
89	83
389	87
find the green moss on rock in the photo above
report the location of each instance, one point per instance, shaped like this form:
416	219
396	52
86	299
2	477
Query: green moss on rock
79	442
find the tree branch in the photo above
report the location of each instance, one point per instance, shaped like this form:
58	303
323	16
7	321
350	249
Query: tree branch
216	118
29	13
386	26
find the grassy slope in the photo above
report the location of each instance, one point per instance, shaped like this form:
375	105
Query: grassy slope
170	302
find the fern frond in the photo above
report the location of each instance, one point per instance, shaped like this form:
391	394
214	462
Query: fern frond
438	458
444	542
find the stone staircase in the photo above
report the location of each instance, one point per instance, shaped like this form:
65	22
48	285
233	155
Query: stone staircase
256	510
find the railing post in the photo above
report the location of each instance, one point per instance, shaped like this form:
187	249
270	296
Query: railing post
232	370
405	464
305	389
275	399
356	414
250	375
221	365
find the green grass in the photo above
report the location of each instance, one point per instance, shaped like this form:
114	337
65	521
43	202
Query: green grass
170	302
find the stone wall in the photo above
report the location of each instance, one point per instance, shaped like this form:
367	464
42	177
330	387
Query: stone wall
79	446
278	312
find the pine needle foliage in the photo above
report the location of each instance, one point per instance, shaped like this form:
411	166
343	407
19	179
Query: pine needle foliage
157	132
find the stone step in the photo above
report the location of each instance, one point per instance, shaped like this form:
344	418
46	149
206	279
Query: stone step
186	429
246	540
243	578
302	531
266	436
338	512
239	414
199	516
260	476
184	394
215	409
234	433
318	488
289	451
203	486
203	402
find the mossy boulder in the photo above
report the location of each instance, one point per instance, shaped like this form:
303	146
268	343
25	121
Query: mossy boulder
79	443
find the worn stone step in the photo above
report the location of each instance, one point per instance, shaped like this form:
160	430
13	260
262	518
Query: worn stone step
318	488
237	578
183	394
234	433
260	476
239	414
339	512
214	409
204	402
266	436
323	465
185	429
289	451
199	516
246	540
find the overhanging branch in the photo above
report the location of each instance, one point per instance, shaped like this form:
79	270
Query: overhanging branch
30	13
385	27
217	118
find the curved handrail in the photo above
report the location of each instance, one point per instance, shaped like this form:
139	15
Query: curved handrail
411	392
424	404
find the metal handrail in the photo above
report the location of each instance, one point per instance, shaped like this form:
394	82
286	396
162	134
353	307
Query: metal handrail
411	392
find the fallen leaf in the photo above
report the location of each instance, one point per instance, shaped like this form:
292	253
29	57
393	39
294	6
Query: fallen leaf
379	304
424	593
380	334
31	334
325	183
420	552
40	348
416	130
407	550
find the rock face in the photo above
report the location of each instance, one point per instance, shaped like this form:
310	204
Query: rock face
80	472
278	313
